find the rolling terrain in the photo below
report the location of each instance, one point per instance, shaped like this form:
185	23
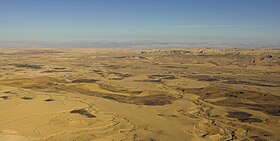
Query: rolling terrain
139	94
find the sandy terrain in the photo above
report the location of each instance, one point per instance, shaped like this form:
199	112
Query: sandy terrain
149	95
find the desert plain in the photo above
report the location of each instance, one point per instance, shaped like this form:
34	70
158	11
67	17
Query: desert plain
90	94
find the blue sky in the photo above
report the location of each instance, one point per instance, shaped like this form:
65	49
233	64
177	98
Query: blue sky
127	20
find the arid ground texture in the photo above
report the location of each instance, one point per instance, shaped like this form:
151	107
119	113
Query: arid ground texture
139	94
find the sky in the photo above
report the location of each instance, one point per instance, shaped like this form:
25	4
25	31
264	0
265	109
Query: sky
132	20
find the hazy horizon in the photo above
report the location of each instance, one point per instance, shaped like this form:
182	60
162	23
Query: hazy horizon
90	22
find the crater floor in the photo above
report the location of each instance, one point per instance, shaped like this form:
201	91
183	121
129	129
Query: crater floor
139	94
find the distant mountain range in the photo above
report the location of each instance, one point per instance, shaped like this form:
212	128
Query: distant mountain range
136	44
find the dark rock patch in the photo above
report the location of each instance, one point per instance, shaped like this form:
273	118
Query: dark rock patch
205	78
30	66
120	57
272	109
209	78
239	115
59	68
4	97
113	89
54	71
150	80
257	138
84	81
113	66
176	67
120	76
49	100
83	112
250	120
243	117
265	102
248	83
155	102
156	76
152	100
214	63
109	97
27	98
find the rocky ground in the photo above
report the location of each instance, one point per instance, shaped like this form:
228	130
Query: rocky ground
134	94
